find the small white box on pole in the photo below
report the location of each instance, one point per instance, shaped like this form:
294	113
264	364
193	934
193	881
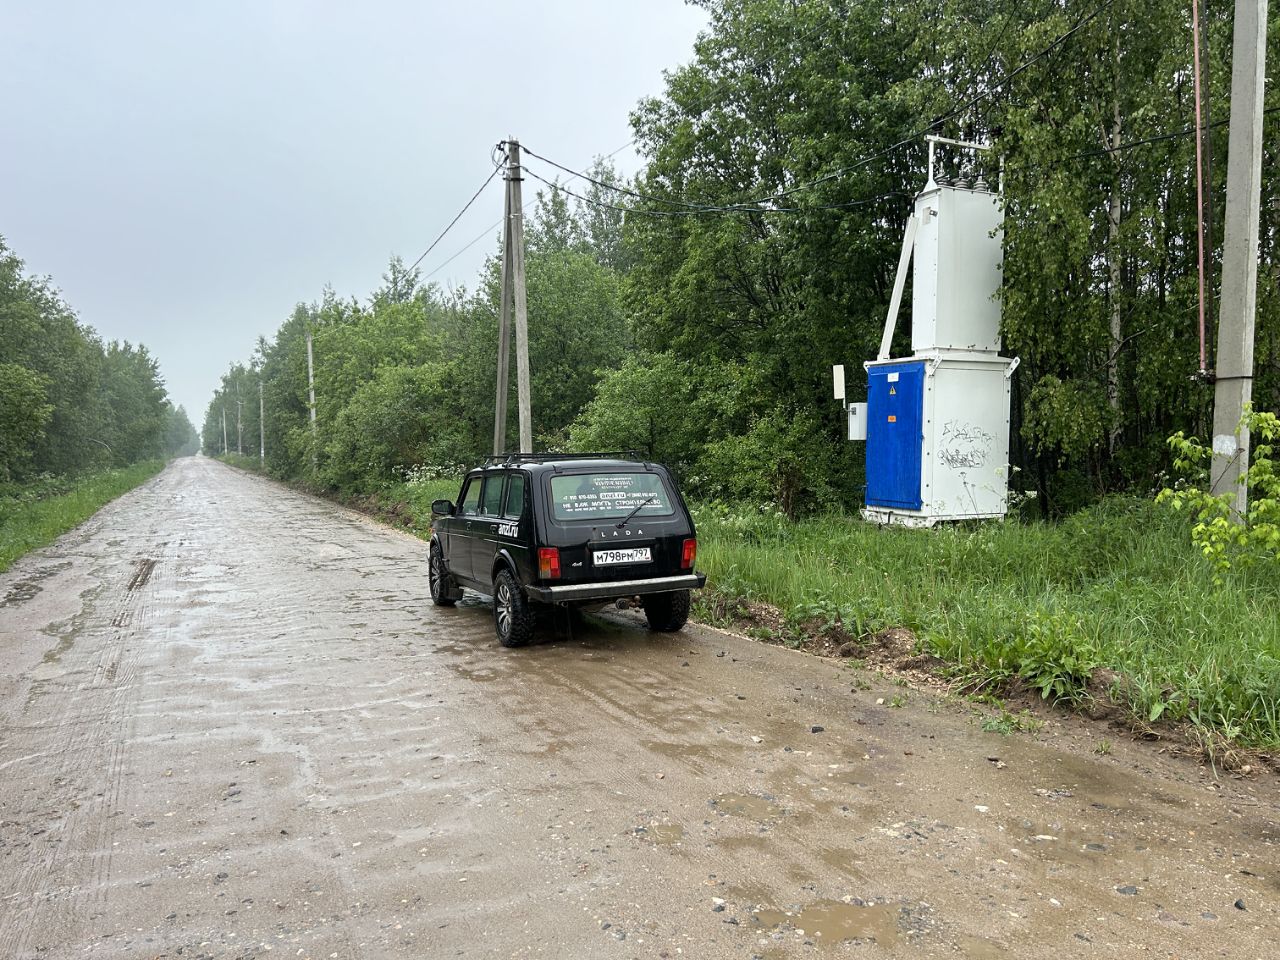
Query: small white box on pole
837	377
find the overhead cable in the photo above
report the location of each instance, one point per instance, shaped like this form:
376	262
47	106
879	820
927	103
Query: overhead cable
642	211
497	223
444	233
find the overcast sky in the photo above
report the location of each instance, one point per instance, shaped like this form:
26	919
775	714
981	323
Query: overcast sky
187	173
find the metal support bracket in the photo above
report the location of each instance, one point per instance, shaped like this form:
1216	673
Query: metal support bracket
899	282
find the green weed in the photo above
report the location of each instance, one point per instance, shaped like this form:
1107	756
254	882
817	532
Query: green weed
1006	723
1117	586
35	514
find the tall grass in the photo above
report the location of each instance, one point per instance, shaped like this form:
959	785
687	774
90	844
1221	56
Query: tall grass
37	513
1118	586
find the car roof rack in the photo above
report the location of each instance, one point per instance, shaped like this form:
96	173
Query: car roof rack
506	458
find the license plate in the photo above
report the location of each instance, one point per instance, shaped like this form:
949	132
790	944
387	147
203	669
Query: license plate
604	558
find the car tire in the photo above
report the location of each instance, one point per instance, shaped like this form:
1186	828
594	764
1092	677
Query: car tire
666	612
512	616
443	591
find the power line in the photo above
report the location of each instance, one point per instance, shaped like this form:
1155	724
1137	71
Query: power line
701	207
497	223
1158	138
464	209
641	211
754	65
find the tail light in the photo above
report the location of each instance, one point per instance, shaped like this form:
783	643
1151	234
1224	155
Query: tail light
688	554
549	563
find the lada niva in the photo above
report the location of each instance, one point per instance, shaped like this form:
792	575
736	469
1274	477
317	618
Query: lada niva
566	530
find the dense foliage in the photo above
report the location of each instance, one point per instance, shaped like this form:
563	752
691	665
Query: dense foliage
68	402
704	337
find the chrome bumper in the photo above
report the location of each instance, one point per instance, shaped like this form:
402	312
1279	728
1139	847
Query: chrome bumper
616	588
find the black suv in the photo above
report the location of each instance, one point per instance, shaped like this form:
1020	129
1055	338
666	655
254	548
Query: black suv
565	530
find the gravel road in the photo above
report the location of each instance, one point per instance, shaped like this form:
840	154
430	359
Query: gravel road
233	725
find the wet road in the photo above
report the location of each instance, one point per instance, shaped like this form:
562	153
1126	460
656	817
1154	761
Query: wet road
231	725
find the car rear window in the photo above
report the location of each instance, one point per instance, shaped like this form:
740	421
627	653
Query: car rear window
515	497
596	496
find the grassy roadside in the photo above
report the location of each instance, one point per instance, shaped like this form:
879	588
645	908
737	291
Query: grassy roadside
35	514
1113	604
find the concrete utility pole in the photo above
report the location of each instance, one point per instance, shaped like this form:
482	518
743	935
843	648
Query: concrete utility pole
262	428
522	315
224	429
311	399
1234	384
504	335
513	293
239	424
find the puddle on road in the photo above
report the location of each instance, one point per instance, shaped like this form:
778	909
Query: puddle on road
753	845
27	588
844	863
833	921
665	833
696	755
55	654
978	948
476	674
662	834
746	805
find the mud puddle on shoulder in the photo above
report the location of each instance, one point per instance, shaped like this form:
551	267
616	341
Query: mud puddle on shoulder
26	588
835	921
747	805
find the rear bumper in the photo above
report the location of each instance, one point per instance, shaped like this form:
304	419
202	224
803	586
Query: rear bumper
618	588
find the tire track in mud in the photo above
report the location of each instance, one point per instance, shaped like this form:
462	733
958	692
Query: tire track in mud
83	709
324	874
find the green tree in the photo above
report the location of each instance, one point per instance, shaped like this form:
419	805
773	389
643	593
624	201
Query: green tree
23	416
69	402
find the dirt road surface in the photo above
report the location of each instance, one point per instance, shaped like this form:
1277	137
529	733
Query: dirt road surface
232	725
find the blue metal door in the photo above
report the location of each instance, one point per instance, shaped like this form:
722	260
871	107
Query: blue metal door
895	434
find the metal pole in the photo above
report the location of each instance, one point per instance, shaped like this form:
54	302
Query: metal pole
1195	62
262	428
1234	386
504	331
522	315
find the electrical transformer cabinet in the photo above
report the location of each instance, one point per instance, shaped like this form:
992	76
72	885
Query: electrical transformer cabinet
956	274
937	438
936	423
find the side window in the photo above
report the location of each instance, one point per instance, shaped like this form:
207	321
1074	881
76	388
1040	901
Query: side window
515	497
470	504
491	502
